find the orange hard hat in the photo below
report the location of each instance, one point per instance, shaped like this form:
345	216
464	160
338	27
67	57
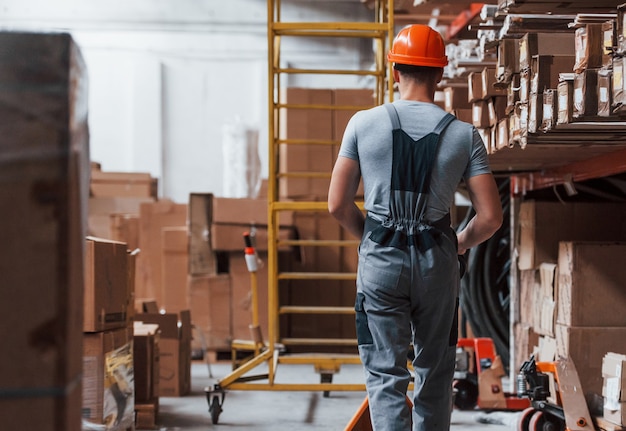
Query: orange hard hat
418	45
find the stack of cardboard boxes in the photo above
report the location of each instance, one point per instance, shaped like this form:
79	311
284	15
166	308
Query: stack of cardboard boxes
571	285
614	388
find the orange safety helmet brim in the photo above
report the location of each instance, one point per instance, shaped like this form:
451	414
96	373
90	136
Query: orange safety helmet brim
418	45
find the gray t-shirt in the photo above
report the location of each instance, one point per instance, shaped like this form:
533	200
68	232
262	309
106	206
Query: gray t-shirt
368	139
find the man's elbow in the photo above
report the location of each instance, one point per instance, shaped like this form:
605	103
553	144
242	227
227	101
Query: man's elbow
494	221
336	210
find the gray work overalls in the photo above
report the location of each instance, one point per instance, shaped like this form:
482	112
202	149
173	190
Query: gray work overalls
407	290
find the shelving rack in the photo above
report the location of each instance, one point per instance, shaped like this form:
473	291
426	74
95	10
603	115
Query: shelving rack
380	31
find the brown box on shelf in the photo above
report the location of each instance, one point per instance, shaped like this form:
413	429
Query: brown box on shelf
102	209
620	31
44	188
544	43
108	374
586	93
463	115
512	93
107	292
619	89
474	87
524	85
586	346
549	109
485	135
535	112
174	351
456	98
489	87
609	41
544	224
146	361
497	109
545	71
250	212
480	114
123	184
605	92
211	310
589	46
507	63
503	134
591	284
565	102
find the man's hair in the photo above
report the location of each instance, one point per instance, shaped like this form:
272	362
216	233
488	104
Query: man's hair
420	74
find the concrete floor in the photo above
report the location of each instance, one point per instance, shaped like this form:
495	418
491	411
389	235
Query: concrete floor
279	410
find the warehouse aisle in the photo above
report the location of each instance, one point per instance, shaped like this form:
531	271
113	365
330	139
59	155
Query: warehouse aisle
277	410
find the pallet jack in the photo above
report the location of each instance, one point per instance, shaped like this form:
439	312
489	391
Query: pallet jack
557	400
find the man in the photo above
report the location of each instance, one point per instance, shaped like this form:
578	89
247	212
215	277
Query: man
411	156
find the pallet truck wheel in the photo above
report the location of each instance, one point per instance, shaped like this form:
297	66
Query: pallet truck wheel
215	409
544	422
523	423
466	394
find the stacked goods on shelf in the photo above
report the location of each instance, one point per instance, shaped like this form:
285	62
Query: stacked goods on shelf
614	388
488	104
570	283
44	192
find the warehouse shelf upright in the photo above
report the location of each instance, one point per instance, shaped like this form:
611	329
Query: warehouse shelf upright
380	31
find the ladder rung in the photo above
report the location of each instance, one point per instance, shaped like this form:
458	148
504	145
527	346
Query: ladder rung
312	358
304	205
298	309
332	72
304	175
318	243
307	142
319	106
317	276
318	341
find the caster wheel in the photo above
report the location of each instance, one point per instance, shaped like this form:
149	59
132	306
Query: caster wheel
544	422
215	409
523	422
466	394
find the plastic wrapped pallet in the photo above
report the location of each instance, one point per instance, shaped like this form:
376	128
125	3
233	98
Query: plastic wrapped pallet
619	95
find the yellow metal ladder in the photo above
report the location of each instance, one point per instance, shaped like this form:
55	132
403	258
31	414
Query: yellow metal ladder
380	31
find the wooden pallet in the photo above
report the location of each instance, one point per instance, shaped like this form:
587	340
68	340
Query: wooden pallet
146	415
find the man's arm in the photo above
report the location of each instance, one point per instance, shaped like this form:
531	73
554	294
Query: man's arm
344	183
483	194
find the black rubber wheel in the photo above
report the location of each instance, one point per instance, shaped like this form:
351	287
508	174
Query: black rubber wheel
215	409
541	421
466	394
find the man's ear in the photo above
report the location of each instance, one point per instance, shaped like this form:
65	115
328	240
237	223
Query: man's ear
396	76
440	75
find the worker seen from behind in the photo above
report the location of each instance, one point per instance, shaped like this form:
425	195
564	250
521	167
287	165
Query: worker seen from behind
411	156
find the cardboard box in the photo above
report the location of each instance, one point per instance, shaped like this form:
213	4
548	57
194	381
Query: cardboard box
174	351
210	299
463	115
544	311
480	114
587	347
107	293
146	361
546	43
250	212
44	186
619	94
108	379
565	102
549	110
615	413
229	237
153	217
202	259
125	228
503	134
474	87
456	98
102	209
546	69
544	224
609	41
507	63
605	92
586	93
175	263
497	109
589	45
614	365
123	184
591	284
489	87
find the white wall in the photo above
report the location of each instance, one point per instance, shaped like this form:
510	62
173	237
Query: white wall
165	76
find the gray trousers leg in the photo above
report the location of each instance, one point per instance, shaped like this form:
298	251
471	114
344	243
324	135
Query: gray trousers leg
404	297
